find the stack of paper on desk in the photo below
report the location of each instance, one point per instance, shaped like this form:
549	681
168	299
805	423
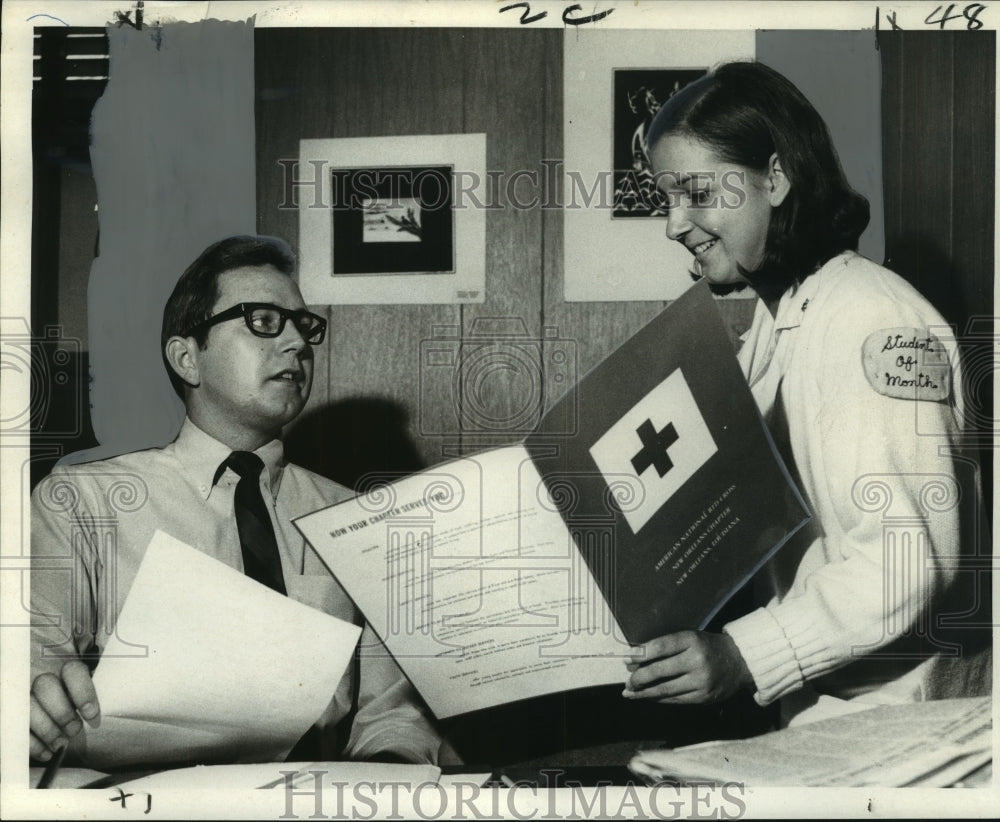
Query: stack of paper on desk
208	665
929	744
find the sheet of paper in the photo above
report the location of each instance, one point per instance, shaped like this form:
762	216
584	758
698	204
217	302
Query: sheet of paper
208	665
925	743
473	581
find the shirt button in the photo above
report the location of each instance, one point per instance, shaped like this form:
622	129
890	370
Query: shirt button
204	488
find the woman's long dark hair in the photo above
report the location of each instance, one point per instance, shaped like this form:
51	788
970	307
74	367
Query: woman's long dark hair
746	112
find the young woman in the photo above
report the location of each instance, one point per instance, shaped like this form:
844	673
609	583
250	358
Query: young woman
856	375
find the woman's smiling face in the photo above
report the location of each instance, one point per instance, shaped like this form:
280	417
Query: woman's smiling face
719	211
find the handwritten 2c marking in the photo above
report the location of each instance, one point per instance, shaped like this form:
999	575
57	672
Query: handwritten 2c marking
567	16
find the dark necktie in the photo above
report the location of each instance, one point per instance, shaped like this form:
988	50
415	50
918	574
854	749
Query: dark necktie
260	549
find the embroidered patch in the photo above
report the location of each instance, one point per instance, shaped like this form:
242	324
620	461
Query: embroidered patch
907	363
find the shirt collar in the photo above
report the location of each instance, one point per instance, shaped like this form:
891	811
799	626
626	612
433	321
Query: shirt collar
201	455
794	302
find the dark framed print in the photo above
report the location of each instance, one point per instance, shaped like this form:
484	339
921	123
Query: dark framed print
396	220
637	96
388	225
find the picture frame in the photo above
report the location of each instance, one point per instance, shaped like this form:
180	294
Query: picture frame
392	220
608	254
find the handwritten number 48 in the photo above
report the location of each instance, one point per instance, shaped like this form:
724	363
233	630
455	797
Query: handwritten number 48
567	15
970	13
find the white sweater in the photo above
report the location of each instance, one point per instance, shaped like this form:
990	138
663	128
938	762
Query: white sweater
854	595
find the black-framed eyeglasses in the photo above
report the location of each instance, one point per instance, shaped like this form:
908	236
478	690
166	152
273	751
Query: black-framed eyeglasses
268	320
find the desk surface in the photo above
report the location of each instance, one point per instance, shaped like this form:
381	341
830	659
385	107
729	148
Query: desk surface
585	767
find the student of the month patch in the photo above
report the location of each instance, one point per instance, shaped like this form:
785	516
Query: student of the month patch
907	363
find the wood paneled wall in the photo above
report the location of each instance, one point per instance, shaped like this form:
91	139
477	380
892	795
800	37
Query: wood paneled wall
371	399
939	119
939	132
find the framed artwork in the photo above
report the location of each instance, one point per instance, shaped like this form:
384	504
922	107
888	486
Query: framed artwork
385	224
614	83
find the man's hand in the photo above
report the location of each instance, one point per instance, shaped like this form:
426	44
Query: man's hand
56	702
686	668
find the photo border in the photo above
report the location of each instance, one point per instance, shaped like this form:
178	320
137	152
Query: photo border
230	801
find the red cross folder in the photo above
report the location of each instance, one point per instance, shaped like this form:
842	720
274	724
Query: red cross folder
642	500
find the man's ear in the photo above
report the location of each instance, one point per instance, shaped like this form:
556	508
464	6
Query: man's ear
778	183
182	355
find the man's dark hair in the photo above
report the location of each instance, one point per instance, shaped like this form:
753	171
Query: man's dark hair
192	300
746	112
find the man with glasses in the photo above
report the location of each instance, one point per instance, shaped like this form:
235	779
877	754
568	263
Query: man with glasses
237	342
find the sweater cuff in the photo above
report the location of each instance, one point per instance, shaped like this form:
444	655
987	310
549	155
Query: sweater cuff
768	655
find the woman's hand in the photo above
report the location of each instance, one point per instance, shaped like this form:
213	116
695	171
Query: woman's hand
686	668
